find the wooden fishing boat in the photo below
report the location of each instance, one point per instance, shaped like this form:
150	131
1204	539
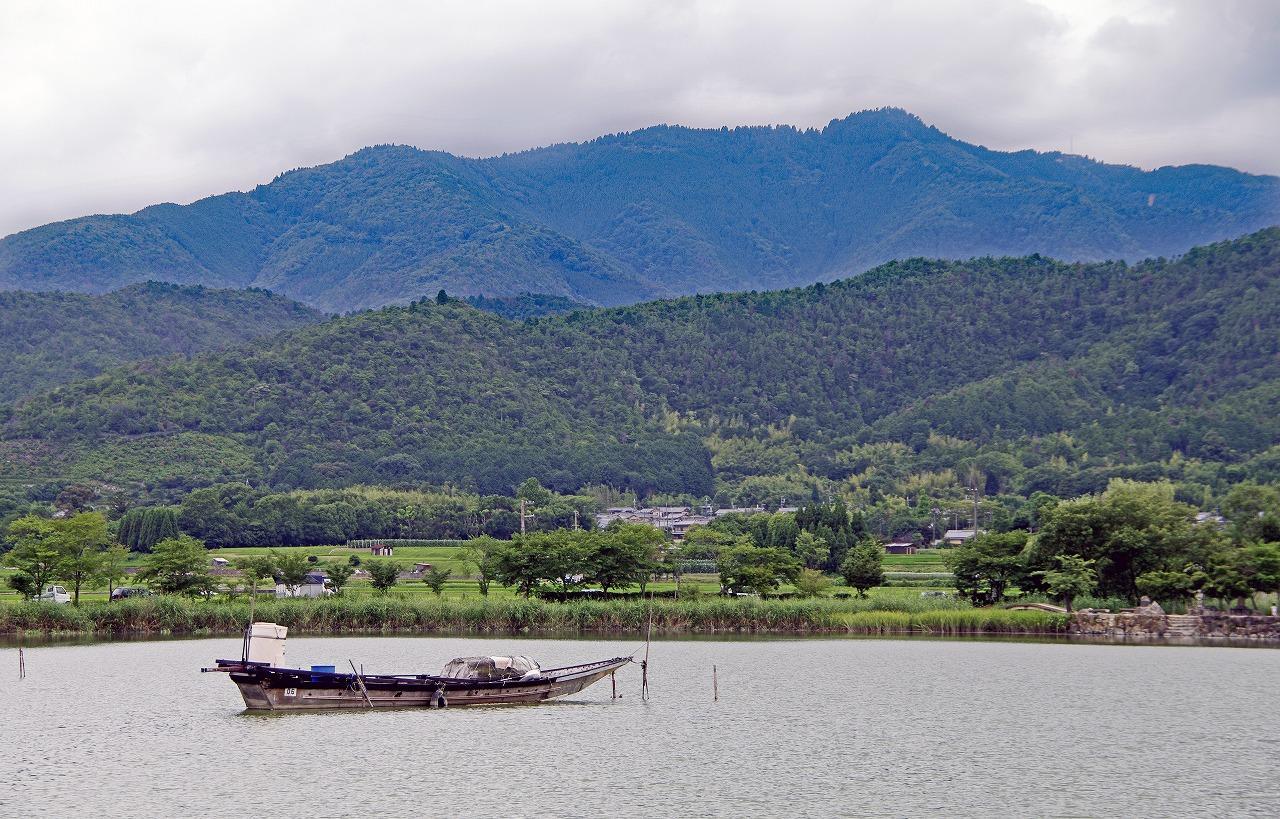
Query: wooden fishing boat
267	686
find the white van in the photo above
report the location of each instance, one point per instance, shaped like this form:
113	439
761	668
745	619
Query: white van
55	594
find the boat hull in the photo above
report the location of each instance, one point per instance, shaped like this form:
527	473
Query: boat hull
273	689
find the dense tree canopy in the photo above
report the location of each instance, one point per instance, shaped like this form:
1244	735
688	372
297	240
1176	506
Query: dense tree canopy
1035	376
52	338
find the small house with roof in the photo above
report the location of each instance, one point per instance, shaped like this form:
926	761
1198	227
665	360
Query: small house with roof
959	537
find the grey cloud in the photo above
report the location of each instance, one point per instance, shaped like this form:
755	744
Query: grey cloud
109	107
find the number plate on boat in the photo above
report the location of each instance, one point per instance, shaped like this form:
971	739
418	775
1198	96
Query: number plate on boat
291	692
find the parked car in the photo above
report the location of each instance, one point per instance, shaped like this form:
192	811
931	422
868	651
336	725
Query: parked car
55	594
129	591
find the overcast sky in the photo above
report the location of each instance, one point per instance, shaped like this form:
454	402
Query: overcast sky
111	106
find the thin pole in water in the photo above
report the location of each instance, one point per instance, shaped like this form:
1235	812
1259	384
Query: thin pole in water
22	665
715	685
613	678
644	665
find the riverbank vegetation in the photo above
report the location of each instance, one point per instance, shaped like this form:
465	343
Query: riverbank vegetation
172	615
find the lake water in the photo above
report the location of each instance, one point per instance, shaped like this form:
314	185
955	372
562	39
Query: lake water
803	727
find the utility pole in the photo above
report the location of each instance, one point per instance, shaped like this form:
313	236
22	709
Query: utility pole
522	515
575	520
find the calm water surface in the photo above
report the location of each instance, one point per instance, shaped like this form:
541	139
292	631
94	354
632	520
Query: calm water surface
803	727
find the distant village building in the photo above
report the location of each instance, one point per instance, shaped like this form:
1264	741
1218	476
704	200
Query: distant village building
1211	518
315	584
674	520
900	548
958	537
219	563
381	550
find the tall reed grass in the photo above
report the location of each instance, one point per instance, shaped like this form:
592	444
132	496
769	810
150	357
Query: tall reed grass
178	616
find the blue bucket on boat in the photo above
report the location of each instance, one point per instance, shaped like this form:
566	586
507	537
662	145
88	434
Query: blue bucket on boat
317	670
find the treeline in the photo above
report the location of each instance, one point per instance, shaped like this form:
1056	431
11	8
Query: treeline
239	515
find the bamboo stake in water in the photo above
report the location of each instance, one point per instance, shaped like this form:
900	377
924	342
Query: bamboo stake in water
644	665
22	665
715	685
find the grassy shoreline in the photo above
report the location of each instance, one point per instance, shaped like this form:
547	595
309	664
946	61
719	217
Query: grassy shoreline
175	616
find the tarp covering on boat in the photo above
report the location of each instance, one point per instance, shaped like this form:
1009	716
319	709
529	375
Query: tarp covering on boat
489	668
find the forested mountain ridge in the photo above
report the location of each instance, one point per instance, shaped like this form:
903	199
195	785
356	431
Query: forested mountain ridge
52	338
1038	374
634	216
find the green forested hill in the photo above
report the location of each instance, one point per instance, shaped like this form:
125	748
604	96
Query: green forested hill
1036	374
657	212
52	338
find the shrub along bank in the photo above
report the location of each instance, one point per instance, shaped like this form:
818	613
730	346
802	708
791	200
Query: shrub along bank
182	616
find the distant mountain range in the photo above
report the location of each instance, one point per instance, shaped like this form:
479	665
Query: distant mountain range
48	339
1044	376
658	212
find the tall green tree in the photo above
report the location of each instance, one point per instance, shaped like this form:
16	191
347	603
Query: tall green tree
623	555
253	568
111	569
519	565
179	565
812	550
383	575
756	569
988	565
481	559
435	578
292	569
1073	578
863	566
81	539
36	554
339	575
812	583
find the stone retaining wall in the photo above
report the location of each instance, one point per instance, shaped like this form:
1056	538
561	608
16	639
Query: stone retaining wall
1215	625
